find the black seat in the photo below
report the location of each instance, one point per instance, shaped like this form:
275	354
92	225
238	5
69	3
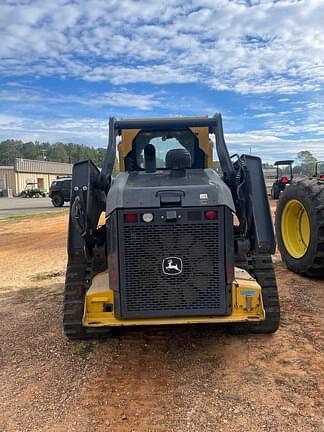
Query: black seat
178	159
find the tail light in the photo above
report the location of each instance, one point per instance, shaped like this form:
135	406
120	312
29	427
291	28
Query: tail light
131	218
211	214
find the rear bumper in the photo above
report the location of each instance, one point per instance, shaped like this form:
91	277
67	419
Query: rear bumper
247	306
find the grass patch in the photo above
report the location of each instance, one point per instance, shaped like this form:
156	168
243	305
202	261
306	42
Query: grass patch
49	275
25	294
43	215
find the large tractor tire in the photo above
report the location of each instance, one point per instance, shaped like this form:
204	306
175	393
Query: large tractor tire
261	268
300	227
79	273
275	191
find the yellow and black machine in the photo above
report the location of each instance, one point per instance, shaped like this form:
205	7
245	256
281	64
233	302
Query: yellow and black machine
179	243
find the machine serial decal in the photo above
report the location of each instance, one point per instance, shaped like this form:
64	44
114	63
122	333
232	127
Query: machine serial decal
172	266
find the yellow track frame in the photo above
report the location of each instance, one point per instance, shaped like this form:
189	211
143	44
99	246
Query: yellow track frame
246	300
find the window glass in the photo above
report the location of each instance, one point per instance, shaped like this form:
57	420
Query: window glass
163	142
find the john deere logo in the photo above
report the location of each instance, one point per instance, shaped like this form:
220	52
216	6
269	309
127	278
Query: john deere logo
172	266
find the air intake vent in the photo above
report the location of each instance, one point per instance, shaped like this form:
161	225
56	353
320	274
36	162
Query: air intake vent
172	269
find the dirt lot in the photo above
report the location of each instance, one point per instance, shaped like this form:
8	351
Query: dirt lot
189	378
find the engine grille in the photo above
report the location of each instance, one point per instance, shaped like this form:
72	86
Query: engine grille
146	291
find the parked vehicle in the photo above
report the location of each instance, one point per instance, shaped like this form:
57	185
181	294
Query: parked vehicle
319	170
60	191
284	177
33	191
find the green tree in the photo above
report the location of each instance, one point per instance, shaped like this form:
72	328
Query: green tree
9	151
267	165
307	162
100	155
30	150
57	153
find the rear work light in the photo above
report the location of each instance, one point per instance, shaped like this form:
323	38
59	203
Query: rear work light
211	214
147	217
131	217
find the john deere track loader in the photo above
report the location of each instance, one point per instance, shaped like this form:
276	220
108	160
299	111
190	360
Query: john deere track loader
169	251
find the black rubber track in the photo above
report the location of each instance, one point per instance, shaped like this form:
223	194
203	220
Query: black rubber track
310	192
79	273
261	268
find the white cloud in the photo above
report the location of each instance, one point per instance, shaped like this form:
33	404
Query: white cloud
84	131
271	147
121	99
274	47
259	47
264	143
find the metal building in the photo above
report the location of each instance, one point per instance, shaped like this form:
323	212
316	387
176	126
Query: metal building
25	171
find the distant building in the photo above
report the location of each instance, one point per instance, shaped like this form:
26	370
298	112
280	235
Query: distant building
25	171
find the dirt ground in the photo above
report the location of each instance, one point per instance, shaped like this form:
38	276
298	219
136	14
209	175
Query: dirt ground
188	378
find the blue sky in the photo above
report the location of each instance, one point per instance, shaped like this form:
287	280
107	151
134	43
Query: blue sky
66	66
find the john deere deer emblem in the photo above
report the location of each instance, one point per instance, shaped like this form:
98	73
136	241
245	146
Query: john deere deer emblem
172	266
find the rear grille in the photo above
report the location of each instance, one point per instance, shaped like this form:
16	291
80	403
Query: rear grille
199	290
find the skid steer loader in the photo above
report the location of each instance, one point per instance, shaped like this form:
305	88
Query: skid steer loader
169	251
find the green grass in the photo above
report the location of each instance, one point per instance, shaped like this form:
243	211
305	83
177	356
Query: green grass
17	218
25	294
50	275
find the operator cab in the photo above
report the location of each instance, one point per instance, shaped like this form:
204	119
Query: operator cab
163	142
319	170
284	177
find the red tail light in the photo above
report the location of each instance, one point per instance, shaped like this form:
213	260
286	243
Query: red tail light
211	215
322	176
131	218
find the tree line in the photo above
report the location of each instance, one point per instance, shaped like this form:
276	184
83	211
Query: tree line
70	153
304	164
58	152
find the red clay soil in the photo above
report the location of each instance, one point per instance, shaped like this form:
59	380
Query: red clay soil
187	378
